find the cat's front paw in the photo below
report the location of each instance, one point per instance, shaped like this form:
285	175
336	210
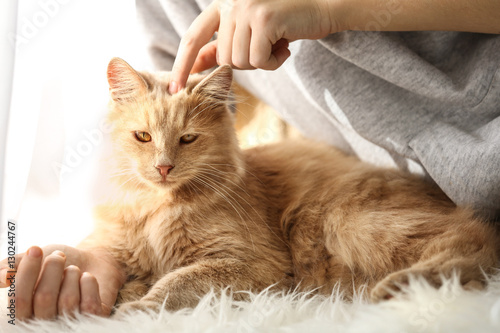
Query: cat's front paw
137	306
389	287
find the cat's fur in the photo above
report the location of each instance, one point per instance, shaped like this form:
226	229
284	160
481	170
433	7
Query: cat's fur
294	214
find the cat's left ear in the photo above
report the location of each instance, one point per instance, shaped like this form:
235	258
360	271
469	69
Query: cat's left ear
217	84
124	81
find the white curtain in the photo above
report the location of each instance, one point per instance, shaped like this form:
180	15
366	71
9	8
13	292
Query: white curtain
8	16
53	127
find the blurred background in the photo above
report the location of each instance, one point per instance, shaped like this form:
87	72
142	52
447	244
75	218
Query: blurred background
52	132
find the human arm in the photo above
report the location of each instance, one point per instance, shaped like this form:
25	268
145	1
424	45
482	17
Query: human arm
482	16
64	279
256	33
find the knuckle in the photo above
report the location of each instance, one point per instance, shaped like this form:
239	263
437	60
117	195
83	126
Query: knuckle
239	63
89	306
73	269
262	62
263	15
224	59
228	7
270	66
257	62
22	302
68	302
43	298
89	278
54	259
189	40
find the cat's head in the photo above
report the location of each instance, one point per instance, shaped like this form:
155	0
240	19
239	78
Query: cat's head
166	141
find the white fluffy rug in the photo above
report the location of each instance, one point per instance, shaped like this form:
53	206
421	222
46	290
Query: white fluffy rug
423	309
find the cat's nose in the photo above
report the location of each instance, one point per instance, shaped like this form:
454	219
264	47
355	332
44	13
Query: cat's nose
164	169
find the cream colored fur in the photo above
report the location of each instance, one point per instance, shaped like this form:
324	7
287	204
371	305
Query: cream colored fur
296	214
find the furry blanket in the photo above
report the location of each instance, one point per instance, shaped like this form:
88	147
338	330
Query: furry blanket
422	309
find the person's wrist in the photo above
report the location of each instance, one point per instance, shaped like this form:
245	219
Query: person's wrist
112	261
338	14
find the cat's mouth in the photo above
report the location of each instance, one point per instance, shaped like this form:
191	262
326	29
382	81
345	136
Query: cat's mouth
165	181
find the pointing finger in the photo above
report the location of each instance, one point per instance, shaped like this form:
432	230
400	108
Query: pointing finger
198	34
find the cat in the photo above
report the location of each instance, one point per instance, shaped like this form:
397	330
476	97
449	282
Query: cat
191	212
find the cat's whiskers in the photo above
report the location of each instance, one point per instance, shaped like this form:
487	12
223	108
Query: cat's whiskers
215	183
197	106
217	191
248	204
230	199
236	201
205	108
210	104
228	224
247	215
124	194
221	176
132	177
221	173
209	173
236	166
122	172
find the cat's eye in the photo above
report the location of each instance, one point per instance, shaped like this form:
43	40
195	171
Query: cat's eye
188	138
143	136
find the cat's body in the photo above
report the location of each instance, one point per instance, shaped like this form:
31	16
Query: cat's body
190	214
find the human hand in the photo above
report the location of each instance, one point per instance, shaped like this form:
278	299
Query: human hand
251	34
61	279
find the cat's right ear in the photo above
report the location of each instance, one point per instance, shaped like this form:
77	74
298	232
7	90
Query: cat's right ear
124	82
217	84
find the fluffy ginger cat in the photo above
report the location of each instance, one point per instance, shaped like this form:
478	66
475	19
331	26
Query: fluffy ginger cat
192	212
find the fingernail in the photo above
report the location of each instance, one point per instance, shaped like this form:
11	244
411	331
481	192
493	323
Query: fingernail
59	253
173	87
34	252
